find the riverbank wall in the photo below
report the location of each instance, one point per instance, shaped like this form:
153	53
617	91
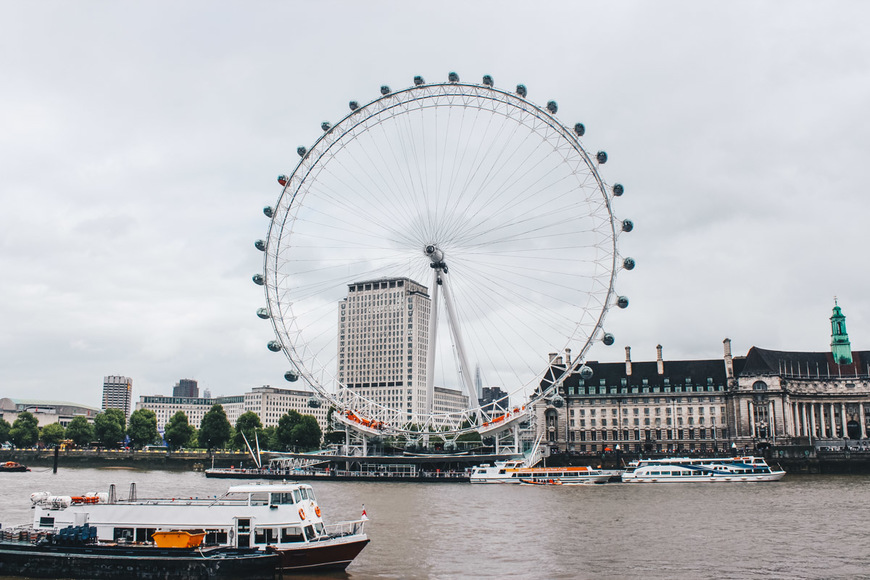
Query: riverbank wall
189	460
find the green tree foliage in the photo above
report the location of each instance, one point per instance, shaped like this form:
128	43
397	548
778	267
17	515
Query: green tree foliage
4	430
249	424
214	431
284	431
178	431
51	434
108	430
143	428
307	434
297	432
267	439
80	431
25	430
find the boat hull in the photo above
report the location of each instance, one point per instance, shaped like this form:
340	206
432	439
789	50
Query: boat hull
775	476
324	556
146	563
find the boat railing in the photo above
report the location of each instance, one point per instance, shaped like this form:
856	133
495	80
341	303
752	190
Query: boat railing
342	529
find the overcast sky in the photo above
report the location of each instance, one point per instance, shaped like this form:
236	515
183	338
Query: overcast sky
139	142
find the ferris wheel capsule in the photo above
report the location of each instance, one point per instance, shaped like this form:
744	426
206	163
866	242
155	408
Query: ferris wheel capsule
418	80
263	313
326	126
552	107
291	376
627	225
487	80
268	211
618	189
353	105
608	339
622	302
580	129
628	263
521	91
260	245
258	279
283	179
274	346
601	156
315	402
385	90
558	401
585	373
452	77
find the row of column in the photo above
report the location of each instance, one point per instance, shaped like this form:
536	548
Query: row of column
809	416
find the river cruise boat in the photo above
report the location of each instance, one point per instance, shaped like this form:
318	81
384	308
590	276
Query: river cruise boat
516	471
276	517
707	470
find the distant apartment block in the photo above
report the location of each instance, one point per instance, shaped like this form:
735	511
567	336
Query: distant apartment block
118	393
383	341
186	388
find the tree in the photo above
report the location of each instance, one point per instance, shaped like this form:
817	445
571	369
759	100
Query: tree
143	428
4	430
80	431
108	429
214	431
25	430
307	434
51	434
178	431
249	424
284	431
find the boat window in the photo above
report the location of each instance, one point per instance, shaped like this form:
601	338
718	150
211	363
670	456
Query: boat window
46	522
318	527
304	493
309	532
123	535
297	496
282	498
144	534
259	498
265	536
292	534
310	494
215	537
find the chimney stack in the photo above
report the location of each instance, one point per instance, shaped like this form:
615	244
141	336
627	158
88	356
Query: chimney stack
729	360
567	357
659	362
628	361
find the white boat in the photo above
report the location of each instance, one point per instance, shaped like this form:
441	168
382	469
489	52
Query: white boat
516	471
282	517
687	470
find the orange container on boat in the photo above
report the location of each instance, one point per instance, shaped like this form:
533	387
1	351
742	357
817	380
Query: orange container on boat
178	539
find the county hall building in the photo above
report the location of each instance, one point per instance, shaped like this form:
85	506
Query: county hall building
766	398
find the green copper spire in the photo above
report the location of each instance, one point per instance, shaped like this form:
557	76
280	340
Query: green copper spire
840	346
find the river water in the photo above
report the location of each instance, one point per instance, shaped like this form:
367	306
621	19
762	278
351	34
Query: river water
810	526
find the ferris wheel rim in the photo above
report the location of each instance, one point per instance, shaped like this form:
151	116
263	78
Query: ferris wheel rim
318	154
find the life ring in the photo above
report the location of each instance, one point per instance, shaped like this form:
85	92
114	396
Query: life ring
301	514
317	510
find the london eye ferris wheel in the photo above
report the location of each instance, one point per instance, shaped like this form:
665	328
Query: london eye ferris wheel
486	205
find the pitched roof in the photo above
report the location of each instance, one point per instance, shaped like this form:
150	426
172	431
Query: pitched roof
761	361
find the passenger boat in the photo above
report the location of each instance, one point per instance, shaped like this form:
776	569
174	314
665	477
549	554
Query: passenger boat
515	471
13	466
687	470
283	518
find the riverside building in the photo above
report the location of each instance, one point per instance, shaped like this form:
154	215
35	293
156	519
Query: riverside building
766	398
383	341
118	393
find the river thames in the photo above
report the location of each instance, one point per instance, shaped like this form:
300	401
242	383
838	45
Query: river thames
810	526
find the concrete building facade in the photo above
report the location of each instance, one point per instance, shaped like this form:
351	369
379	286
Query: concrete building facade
118	393
383	341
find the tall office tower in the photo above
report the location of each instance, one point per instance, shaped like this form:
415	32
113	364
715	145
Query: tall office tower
186	388
118	393
478	383
383	340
